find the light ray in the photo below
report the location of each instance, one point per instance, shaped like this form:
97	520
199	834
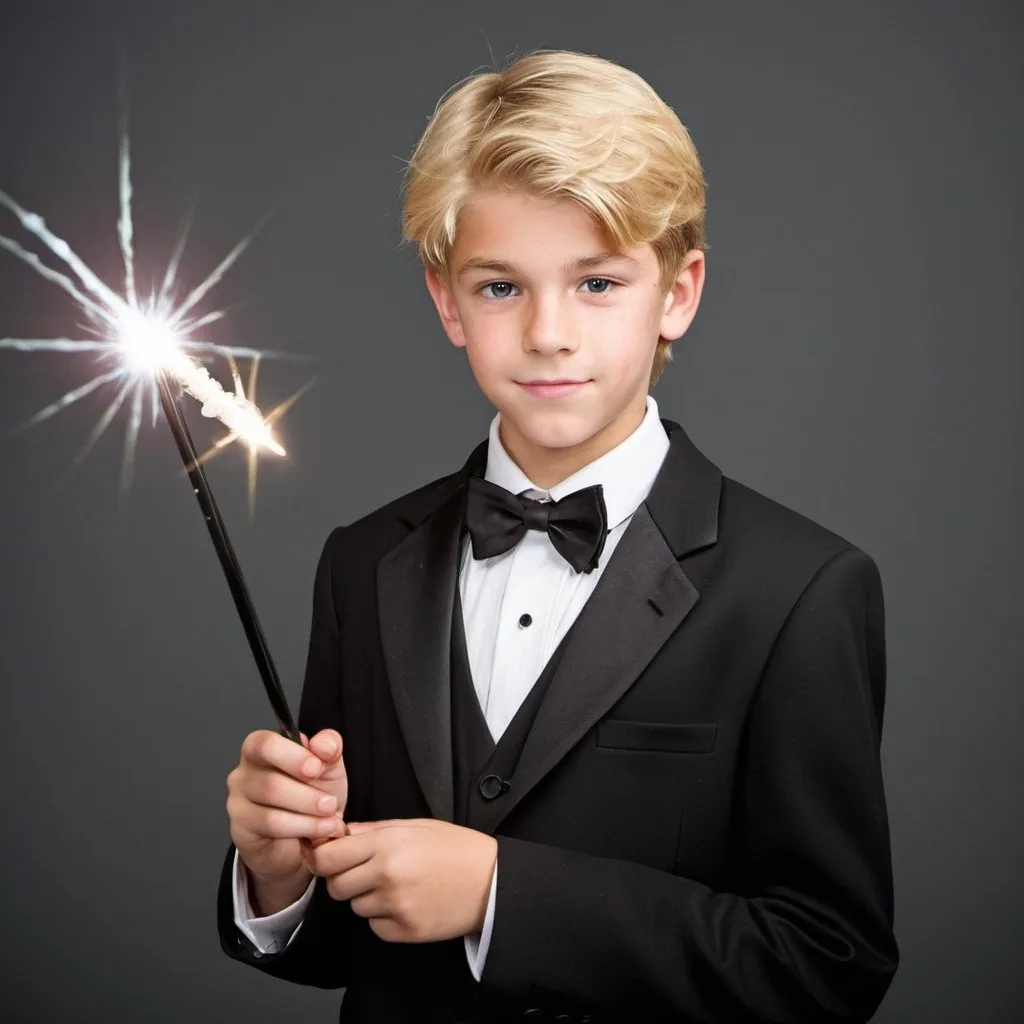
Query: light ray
172	267
35	225
210	318
67	399
272	417
199	292
242	352
254	370
94	434
57	345
218	446
131	437
275	414
52	275
124	220
103	422
253	458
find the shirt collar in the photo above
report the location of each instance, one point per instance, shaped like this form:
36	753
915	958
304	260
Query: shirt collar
626	473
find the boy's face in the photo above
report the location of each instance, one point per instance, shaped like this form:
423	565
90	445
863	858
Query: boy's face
540	318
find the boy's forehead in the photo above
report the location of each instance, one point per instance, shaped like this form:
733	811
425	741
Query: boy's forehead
498	231
498	210
467	264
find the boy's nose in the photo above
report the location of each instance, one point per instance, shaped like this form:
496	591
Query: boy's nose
549	327
549	337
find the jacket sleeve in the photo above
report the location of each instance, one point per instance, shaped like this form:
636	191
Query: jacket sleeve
807	933
330	945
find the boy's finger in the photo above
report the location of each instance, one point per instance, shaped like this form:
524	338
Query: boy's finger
343	830
276	823
276	789
266	749
326	744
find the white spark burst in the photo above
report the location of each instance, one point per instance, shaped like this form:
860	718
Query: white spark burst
146	336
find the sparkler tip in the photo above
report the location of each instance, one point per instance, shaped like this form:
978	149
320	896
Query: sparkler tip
152	336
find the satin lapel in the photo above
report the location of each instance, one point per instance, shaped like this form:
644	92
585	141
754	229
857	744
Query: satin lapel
415	593
416	583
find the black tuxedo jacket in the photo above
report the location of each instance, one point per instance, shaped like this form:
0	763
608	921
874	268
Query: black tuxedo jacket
698	828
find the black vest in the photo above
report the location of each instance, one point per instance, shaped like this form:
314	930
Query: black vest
485	770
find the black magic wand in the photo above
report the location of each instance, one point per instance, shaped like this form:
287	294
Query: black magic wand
228	561
233	573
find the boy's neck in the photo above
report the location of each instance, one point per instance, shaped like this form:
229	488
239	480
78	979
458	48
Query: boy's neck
548	467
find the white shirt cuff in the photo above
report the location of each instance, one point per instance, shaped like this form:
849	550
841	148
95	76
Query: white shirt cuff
477	943
274	932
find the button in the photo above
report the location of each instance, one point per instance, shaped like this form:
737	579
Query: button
525	619
492	786
533	1013
563	1016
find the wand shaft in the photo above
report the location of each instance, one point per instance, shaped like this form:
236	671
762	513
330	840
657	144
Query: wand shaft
228	561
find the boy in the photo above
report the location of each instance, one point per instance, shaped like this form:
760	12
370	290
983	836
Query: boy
604	724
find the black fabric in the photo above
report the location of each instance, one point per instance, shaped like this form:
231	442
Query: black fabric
476	753
576	524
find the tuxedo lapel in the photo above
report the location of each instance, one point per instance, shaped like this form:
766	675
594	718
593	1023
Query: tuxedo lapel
416	583
642	597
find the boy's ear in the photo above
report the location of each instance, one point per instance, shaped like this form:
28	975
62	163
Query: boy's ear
446	308
683	297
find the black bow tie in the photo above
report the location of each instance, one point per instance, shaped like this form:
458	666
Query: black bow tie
497	520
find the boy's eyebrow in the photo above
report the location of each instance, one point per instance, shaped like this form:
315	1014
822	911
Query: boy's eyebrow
583	263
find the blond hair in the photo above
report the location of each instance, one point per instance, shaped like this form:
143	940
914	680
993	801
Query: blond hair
560	124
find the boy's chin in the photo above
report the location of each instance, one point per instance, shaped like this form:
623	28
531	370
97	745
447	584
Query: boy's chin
552	432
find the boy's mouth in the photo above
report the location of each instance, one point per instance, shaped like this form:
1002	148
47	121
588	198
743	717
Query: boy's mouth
551	388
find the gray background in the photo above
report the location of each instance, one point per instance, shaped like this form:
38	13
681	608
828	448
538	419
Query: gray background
856	356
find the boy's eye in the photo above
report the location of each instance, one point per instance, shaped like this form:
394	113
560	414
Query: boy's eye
497	284
508	284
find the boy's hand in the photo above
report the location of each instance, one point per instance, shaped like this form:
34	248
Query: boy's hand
274	801
416	879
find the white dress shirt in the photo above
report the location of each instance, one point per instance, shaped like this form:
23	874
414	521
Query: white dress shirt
506	658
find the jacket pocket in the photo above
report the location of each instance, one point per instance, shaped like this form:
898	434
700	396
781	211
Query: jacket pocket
678	737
